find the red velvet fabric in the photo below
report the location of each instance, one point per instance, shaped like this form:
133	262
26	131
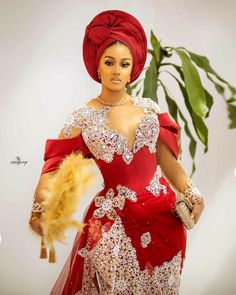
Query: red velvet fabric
109	26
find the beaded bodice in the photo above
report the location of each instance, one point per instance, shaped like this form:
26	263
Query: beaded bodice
104	142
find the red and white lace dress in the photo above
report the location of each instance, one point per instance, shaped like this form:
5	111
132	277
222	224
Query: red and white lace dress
133	242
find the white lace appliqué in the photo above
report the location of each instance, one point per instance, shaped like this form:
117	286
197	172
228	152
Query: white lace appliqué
145	239
155	186
104	142
113	262
109	202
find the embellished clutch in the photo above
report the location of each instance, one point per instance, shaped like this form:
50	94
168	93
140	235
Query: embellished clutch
185	202
183	208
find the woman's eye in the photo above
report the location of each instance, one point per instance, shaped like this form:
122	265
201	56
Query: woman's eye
125	65
108	62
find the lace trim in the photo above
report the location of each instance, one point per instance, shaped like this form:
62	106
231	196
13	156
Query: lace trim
109	202
114	261
104	142
155	186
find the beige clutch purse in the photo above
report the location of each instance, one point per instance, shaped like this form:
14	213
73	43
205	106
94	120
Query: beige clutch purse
183	208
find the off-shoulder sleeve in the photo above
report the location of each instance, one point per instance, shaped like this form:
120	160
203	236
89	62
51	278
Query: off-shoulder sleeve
57	149
169	131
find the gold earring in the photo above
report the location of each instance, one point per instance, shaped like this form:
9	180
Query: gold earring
99	76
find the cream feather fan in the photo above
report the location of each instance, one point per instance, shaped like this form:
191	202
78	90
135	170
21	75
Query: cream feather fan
63	193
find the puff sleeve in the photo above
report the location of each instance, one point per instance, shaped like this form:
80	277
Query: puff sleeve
169	131
57	149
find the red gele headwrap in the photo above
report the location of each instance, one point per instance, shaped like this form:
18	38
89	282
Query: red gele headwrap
107	27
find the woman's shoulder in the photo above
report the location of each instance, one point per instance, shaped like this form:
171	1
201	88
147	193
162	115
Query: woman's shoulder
148	104
73	122
93	103
76	119
164	117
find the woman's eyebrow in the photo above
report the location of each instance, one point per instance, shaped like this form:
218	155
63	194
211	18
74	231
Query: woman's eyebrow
114	58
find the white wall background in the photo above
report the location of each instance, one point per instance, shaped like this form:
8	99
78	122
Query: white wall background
43	79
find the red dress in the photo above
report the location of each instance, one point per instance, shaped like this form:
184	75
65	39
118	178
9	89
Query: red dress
133	243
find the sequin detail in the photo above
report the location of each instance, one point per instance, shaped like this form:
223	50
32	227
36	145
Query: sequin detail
104	142
147	104
155	186
108	202
120	273
83	252
84	117
145	239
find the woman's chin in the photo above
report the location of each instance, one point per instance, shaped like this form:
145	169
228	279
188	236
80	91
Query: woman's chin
115	87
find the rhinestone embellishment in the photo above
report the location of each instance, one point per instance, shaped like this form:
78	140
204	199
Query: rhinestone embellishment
155	186
107	204
104	142
121	274
145	239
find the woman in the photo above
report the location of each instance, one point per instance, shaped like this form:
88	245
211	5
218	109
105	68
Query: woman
133	241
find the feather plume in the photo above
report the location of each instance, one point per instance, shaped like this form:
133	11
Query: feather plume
63	193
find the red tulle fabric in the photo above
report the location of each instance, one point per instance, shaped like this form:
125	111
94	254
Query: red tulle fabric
148	213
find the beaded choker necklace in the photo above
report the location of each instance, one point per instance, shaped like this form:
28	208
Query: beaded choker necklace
120	102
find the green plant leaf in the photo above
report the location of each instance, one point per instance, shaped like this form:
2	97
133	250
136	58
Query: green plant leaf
151	51
174	109
219	88
198	123
193	84
150	81
232	115
203	62
209	97
156	47
137	93
209	102
130	88
231	99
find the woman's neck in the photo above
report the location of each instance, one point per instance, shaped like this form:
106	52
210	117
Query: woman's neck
112	96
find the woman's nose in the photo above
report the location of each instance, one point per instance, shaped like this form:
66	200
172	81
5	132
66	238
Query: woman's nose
116	69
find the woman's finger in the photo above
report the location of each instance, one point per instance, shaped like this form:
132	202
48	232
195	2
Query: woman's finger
37	227
197	211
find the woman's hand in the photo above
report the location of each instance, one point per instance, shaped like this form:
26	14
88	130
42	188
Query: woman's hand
197	210
35	224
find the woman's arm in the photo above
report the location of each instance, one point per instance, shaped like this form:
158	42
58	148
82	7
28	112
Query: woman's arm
43	179
34	220
176	174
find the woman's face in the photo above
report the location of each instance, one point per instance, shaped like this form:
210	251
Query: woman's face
116	63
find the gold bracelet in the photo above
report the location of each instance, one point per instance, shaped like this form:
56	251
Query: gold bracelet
36	208
192	192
